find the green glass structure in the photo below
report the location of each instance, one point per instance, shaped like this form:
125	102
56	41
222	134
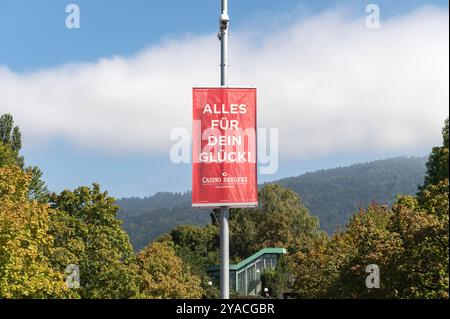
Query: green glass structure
245	277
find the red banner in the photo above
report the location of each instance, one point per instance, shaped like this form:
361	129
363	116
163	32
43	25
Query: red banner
224	147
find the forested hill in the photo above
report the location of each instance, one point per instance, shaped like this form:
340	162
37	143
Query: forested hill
333	195
149	217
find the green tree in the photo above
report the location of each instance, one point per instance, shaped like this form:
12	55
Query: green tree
10	134
314	266
197	246
10	142
10	146
7	156
279	221
163	274
410	248
365	241
25	245
88	234
423	258
409	242
437	165
276	280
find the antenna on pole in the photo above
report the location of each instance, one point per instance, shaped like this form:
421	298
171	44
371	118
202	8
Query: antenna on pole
224	210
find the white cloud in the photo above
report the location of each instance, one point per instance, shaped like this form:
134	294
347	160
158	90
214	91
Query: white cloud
327	82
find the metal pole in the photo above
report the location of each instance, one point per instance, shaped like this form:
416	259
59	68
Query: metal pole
224	254
224	211
223	36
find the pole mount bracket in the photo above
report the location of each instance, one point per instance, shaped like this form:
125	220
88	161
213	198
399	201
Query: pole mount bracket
224	21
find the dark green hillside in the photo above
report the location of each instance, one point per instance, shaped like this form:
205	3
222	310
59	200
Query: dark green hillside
335	194
149	217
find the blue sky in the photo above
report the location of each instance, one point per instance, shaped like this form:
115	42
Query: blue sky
35	36
34	40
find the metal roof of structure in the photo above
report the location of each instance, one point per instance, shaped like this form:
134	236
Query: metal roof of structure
250	259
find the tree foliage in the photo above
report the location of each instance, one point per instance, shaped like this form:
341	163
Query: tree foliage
25	246
11	136
164	275
7	156
279	221
437	165
408	241
276	280
197	246
88	234
10	146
